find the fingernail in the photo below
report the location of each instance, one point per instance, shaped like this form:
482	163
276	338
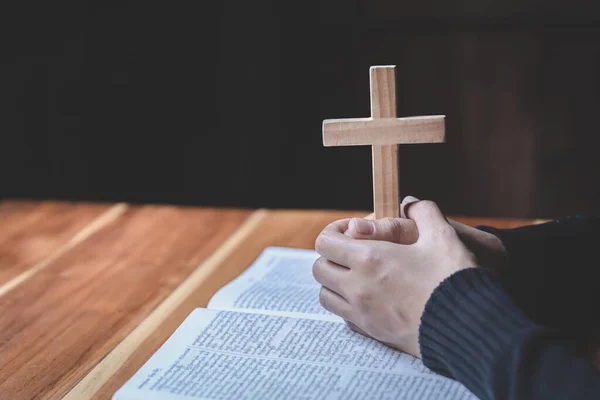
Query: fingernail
363	226
409	199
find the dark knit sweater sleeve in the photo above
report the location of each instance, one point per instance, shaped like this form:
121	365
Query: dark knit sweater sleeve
471	331
552	271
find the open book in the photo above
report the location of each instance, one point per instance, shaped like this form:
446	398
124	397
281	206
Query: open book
265	336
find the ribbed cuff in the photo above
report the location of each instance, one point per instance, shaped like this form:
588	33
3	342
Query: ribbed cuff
468	326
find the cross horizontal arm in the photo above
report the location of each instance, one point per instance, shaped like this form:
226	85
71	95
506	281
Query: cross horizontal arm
383	131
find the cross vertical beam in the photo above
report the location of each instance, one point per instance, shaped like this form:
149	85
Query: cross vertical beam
386	193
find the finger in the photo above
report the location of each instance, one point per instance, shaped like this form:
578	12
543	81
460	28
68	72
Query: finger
337	247
405	203
330	275
426	215
369	217
395	230
334	303
340	225
459	227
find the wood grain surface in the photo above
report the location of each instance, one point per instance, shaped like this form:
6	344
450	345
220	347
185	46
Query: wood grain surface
122	280
384	158
384	131
62	321
32	232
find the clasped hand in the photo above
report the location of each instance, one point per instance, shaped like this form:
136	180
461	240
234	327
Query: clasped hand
379	275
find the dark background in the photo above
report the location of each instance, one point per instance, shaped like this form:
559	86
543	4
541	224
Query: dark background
221	102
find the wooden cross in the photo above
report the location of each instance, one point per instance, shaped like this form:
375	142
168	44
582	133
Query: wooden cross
384	132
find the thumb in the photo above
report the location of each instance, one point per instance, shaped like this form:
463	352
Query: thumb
426	214
396	230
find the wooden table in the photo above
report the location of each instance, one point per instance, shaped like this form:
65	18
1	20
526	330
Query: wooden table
90	291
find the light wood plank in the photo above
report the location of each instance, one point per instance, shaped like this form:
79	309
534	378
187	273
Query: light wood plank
386	187
94	381
384	131
31	233
8	207
382	80
61	322
386	190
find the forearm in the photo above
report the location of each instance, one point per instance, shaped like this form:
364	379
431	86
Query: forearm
472	332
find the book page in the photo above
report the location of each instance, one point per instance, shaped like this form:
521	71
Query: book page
279	282
233	355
